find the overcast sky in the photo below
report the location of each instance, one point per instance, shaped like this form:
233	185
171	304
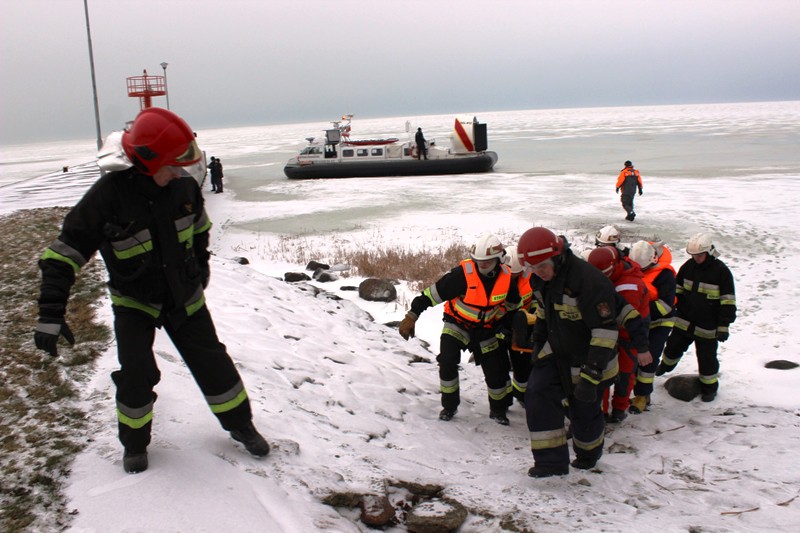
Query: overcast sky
240	62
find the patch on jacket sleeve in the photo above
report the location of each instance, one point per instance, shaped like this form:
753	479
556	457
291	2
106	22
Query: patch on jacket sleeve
188	208
604	310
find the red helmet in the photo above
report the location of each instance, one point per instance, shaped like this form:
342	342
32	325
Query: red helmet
605	258
158	138
537	245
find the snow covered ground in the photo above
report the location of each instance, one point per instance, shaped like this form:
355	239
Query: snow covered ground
348	404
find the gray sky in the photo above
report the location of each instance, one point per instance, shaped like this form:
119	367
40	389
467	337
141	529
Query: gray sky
242	62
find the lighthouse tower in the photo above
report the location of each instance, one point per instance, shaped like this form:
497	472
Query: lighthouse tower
145	87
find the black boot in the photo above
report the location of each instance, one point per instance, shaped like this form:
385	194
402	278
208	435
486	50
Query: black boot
663	368
499	417
584	463
252	440
447	414
547	471
134	462
616	416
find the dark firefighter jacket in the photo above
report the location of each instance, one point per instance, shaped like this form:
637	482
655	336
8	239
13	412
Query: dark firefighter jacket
473	300
706	297
629	180
153	240
576	317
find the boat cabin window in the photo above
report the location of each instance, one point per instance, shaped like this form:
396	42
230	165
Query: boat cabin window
309	150
362	152
377	151
349	152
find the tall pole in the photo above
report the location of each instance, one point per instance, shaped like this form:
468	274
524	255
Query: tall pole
94	81
166	86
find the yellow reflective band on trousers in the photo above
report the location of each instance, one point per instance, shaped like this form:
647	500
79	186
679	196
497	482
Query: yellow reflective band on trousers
134	418
542	440
227	401
499	394
448	386
588	446
709	380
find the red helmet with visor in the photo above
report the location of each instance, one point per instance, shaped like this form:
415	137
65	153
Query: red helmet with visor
159	138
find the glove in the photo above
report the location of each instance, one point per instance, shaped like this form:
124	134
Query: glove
640	192
722	336
46	336
586	389
407	326
617	190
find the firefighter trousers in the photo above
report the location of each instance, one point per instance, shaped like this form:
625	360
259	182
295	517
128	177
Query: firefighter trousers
706	349
205	356
546	406
489	354
646	374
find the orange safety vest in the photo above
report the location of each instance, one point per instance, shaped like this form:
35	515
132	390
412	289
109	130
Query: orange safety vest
475	307
664	262
525	290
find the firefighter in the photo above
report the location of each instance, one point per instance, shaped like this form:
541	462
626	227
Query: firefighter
150	226
609	236
573	353
633	319
629	180
476	295
655	260
705	309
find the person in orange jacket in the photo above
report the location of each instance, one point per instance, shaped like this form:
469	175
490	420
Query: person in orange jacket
633	320
628	181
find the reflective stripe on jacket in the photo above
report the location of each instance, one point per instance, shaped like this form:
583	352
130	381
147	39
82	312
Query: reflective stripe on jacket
476	306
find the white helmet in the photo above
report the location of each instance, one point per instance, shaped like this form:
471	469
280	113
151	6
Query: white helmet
700	243
512	260
607	235
643	253
487	247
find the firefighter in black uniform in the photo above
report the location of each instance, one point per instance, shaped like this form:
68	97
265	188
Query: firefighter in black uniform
574	353
150	226
705	309
477	294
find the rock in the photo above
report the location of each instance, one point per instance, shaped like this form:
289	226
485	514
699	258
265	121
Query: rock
376	510
351	288
242	260
781	364
323	275
377	290
313	265
436	516
292	277
685	388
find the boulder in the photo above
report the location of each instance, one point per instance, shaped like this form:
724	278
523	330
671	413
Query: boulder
242	260
685	387
376	511
324	276
436	516
292	277
313	265
377	290
781	364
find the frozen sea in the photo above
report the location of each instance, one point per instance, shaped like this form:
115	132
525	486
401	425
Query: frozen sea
682	143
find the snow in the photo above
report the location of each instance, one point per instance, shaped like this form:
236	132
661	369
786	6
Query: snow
346	403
